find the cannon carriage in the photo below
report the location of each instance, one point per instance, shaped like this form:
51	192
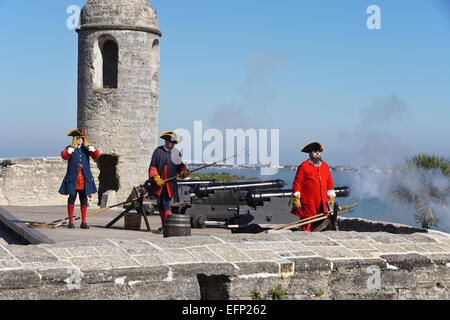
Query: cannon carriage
237	205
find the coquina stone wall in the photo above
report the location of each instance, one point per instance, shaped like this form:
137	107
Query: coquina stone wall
287	265
36	181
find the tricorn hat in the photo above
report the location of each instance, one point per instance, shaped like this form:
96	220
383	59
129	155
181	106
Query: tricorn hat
170	136
76	133
313	146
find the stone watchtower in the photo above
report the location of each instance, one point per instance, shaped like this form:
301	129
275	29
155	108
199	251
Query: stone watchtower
118	81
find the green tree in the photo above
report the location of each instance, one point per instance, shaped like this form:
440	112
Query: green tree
423	180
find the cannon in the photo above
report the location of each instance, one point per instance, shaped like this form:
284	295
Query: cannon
240	203
223	201
237	204
202	191
256	198
186	187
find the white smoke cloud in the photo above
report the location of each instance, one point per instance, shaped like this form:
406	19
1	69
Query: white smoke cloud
381	186
376	135
254	97
379	143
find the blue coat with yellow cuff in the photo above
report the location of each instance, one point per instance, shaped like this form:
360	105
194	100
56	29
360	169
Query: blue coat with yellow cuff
80	155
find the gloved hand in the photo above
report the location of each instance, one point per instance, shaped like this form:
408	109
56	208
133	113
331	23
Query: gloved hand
74	143
159	182
70	150
186	173
330	202
296	201
91	149
331	194
86	142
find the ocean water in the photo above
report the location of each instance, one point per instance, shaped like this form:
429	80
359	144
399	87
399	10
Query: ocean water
370	190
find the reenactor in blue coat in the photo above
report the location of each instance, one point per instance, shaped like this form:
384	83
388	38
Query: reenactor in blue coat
166	163
78	179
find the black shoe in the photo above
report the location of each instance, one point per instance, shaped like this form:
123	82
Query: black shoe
160	230
70	225
84	225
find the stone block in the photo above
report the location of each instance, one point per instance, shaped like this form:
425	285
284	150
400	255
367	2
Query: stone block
333	252
397	279
9	264
355	280
31	254
302	254
229	253
311	264
387	238
244	237
258	255
203	254
108	199
359	244
302	288
303	236
261	269
183	242
206	269
441	259
348	235
358	264
136	247
91	263
181	256
18	279
408	261
417	238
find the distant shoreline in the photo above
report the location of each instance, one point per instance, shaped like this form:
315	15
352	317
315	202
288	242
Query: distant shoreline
364	169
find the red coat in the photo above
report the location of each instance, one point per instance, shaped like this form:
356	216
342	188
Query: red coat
313	184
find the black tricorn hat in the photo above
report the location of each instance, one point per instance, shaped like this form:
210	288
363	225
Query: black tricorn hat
170	136
313	146
76	133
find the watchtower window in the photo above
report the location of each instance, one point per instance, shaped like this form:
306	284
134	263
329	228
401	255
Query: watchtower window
110	54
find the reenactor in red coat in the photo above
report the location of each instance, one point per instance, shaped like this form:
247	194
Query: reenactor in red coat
312	186
78	179
166	163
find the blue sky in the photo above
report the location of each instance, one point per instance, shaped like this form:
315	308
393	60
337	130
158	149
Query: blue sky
311	69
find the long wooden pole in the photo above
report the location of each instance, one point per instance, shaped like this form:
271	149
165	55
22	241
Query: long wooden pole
59	222
308	220
207	165
302	223
292	223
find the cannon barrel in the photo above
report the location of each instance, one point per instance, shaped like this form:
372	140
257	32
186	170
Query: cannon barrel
204	191
193	183
188	183
342	192
256	198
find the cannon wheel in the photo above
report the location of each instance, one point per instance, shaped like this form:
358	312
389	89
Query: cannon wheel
198	221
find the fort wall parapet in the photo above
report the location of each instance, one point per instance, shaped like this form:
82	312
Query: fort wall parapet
294	265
